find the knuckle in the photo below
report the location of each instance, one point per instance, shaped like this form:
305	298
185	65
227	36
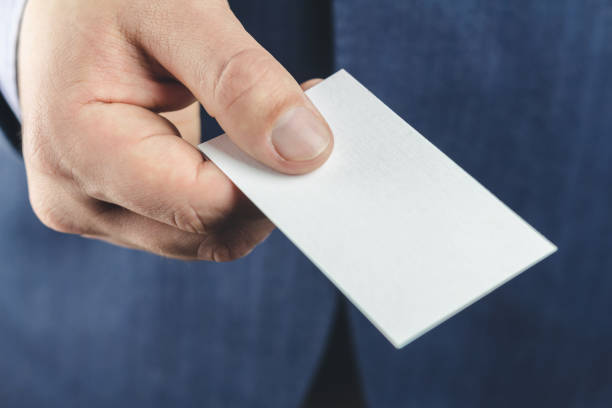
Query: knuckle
223	253
240	75
188	219
55	218
227	250
215	251
179	246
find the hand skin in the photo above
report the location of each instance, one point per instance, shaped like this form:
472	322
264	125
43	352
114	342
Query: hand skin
103	161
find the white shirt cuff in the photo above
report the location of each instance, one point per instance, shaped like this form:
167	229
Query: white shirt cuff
10	19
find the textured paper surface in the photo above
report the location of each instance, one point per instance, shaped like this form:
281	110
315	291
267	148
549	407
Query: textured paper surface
407	235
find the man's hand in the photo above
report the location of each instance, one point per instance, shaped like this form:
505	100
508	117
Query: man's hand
101	159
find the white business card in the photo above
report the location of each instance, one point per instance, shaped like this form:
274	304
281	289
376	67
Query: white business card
405	233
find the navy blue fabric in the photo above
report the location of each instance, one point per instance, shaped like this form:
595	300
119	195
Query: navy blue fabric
520	94
517	92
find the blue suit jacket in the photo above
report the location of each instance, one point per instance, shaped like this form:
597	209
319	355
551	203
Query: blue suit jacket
518	93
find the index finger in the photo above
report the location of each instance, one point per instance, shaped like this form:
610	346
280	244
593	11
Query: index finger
135	158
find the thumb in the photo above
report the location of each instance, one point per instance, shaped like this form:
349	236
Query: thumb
255	100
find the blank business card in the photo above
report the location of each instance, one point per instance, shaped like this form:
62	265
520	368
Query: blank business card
405	233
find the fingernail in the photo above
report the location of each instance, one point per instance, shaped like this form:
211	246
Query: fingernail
299	135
